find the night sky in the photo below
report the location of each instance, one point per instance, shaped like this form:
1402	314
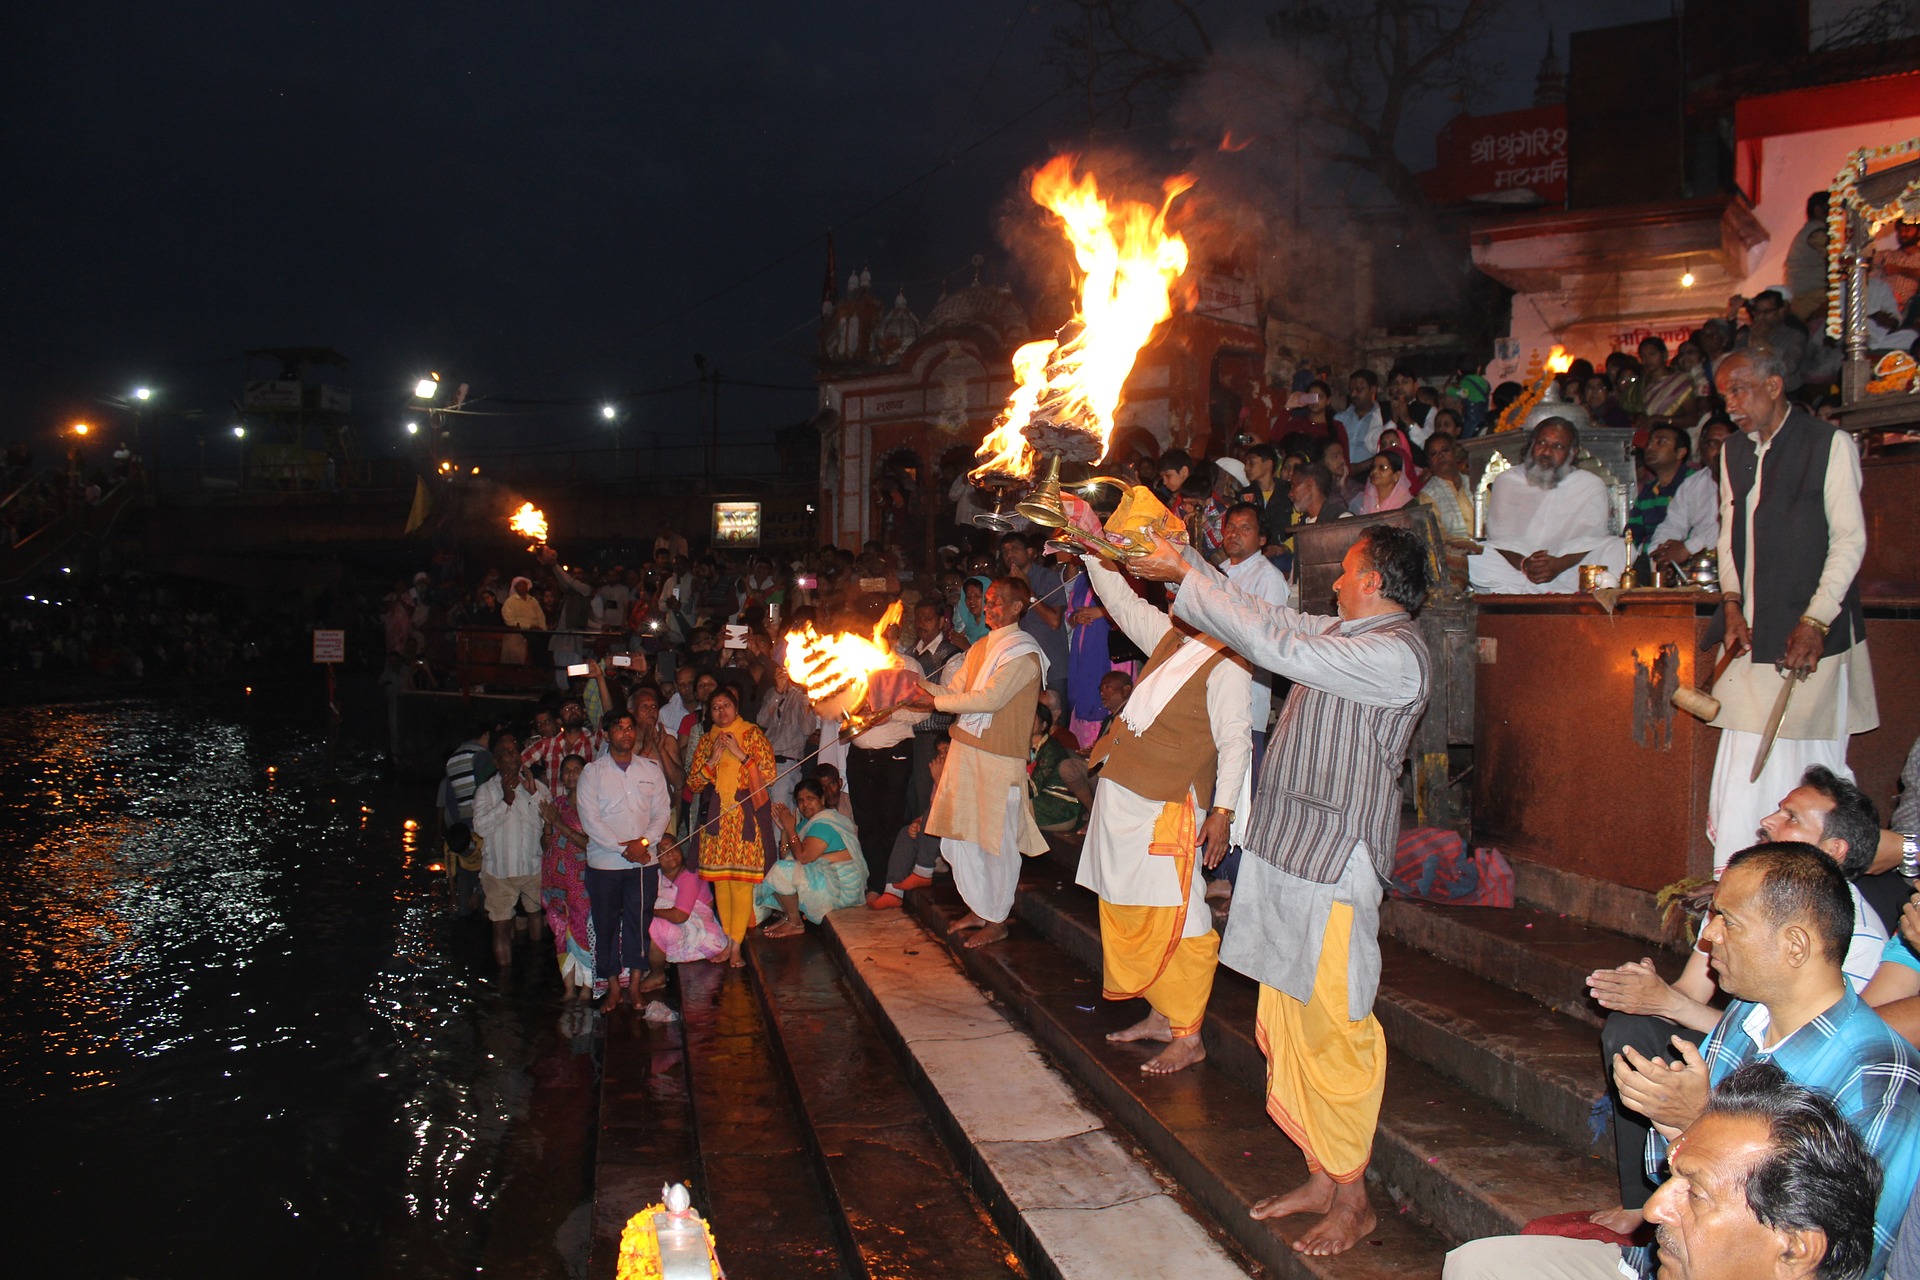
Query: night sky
544	200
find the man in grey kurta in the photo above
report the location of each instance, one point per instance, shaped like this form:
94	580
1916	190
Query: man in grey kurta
1326	816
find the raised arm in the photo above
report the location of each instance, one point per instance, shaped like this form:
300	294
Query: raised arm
1143	624
1009	678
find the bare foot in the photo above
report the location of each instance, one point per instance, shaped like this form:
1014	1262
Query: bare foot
1623	1220
966	922
612	1002
988	935
737	961
654	982
1315	1195
725	955
783	929
1152	1027
1345	1225
1182	1053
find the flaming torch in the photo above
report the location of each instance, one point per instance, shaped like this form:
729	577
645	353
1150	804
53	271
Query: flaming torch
529	521
1067	388
838	671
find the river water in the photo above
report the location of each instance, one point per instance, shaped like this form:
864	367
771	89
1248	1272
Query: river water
241	1033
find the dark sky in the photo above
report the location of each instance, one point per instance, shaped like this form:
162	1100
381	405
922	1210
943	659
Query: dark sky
537	199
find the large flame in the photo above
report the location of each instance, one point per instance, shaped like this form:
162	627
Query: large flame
529	521
1128	263
1559	360
835	669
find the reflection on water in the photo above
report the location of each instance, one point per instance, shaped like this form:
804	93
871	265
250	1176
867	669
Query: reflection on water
240	1031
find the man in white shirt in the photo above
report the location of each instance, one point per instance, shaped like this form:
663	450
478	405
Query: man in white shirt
1362	417
624	804
1546	518
1254	574
506	816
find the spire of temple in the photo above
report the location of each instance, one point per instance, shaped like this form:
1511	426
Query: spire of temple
1549	82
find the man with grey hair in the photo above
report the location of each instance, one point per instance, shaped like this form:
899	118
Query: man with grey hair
1545	518
1792	536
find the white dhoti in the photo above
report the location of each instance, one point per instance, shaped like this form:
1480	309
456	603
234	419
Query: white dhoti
1523	518
988	880
1824	712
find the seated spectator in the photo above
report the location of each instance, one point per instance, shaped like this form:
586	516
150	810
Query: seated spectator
1665	457
1315	500
1770	1180
1057	779
684	927
1824	812
521	610
1446	489
1387	487
1690	521
1545	518
820	868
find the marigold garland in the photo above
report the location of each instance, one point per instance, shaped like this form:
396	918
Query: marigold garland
1844	196
640	1249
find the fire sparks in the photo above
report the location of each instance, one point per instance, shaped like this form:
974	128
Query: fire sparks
529	521
1128	263
835	669
1559	360
1228	144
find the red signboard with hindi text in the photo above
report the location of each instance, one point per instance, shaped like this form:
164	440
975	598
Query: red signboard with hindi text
1515	156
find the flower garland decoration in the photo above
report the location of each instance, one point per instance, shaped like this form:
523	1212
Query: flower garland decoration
1844	197
1558	362
640	1246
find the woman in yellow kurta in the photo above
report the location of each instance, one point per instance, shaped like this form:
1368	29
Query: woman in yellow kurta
731	768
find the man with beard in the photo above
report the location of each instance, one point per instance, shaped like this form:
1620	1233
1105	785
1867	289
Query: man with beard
1792	536
1545	518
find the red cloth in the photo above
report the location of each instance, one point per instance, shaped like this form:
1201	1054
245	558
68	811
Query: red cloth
1575	1226
1432	864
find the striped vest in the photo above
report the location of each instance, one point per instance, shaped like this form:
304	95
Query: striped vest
1332	773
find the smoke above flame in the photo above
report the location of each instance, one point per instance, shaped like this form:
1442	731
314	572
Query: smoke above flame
835	669
530	522
1127	264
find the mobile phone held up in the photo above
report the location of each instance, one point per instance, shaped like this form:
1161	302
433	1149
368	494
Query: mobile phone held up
577	669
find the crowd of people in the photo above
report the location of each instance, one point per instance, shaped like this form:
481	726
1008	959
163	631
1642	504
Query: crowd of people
134	626
1212	752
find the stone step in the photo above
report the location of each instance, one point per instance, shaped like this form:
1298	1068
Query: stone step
1209	1132
1464	1164
903	1208
756	1181
644	1137
1544	954
1077	1199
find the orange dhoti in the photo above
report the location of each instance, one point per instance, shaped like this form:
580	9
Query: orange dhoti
1325	1074
1145	950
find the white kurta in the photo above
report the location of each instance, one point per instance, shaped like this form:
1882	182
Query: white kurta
1115	862
1568	518
1257	577
1833	703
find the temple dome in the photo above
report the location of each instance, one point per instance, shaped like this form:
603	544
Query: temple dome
898	330
981	307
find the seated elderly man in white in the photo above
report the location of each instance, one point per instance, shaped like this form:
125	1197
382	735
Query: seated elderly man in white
1545	518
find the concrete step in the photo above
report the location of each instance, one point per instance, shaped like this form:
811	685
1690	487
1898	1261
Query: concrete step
1464	1164
1202	1125
903	1208
1077	1199
1544	954
756	1182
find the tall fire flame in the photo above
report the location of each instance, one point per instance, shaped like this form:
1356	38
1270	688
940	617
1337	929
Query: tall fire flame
529	521
1559	360
1128	263
835	669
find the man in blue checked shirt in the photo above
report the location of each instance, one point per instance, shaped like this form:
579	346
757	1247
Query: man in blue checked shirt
1781	921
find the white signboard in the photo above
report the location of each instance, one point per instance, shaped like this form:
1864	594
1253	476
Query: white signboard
329	646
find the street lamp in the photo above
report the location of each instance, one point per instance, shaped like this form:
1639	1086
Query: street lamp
81	428
143	393
413	428
608	412
427	388
239	432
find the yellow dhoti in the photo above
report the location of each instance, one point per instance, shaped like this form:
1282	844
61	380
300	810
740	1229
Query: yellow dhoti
1142	949
1325	1074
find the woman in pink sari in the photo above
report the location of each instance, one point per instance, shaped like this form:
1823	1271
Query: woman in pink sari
1386	487
563	884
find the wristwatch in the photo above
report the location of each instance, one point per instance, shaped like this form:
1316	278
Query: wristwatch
1910	855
